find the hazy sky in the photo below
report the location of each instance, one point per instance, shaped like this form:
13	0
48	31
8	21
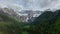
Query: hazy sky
31	4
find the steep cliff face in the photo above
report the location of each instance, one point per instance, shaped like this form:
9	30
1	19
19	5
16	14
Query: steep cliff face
9	12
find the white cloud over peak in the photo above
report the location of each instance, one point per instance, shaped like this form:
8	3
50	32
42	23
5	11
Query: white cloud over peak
31	4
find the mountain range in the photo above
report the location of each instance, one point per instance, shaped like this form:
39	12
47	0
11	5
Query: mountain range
23	15
48	22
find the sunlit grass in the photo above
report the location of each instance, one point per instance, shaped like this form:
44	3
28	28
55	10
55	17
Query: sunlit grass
1	32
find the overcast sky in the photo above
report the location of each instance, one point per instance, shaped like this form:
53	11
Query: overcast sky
31	4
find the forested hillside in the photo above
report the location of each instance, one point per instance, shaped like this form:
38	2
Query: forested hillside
48	23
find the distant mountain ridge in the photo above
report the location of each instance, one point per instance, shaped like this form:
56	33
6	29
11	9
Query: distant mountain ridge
48	15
